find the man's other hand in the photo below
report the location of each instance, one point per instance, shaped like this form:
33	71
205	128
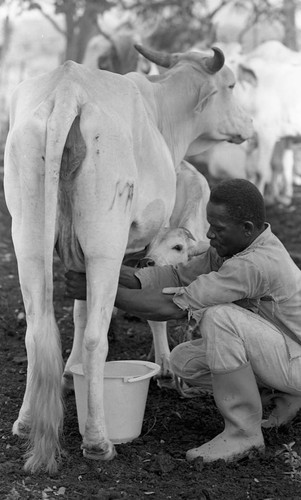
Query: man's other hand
76	285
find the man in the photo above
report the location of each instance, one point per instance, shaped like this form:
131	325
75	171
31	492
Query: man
245	293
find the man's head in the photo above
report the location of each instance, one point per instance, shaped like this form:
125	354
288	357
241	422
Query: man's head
236	214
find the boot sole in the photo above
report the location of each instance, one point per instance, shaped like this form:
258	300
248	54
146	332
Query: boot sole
251	453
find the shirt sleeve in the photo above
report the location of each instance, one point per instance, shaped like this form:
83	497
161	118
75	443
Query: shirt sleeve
238	278
181	274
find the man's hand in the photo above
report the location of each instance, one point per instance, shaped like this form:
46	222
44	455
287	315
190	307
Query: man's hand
76	285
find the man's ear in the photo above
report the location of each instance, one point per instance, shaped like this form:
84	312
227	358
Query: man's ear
207	90
249	227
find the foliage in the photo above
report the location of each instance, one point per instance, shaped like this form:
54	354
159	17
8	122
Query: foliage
172	25
176	24
292	459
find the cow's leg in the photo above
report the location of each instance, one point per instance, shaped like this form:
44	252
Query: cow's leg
102	231
96	443
288	174
32	289
297	166
102	278
76	357
264	167
101	198
162	352
41	413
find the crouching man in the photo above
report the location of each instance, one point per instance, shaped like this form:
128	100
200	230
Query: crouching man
245	293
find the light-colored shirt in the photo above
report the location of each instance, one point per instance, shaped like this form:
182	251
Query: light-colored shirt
262	278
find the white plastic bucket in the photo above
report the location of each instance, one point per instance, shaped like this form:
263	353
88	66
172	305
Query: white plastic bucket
126	386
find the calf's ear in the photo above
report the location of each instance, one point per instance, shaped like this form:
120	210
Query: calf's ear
188	233
199	248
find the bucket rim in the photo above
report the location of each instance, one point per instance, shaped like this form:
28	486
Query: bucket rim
154	369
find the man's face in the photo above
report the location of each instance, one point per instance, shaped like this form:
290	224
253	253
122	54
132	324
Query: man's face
228	237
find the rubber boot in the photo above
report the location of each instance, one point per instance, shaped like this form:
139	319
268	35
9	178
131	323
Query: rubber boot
237	398
286	408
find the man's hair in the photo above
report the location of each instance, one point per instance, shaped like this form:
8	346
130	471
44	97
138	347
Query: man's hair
242	199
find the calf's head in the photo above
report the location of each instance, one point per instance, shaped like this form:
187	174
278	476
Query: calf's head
170	246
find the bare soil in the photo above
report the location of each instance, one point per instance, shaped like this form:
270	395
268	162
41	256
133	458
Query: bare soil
154	465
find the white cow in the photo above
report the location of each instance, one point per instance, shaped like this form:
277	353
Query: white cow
268	79
90	169
268	85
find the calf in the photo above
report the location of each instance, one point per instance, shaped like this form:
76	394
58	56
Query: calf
184	238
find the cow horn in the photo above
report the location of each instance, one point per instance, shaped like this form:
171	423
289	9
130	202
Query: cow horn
216	62
161	58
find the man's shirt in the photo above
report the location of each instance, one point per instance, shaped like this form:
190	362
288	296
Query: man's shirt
262	278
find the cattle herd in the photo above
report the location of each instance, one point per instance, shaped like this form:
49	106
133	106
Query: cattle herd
96	167
267	82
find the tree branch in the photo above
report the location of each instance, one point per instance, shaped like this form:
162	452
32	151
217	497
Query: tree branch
37	6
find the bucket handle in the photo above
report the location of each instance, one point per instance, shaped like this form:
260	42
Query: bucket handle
142	377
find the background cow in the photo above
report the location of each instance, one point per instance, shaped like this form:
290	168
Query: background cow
117	53
268	79
90	169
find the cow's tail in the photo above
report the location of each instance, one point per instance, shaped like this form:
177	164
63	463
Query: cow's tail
47	409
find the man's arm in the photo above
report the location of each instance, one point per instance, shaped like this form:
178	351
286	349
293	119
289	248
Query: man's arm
76	284
148	303
127	277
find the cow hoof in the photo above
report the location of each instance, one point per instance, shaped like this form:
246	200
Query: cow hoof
21	430
67	382
94	452
166	381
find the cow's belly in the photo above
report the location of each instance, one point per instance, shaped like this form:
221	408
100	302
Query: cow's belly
134	219
144	227
148	217
153	207
146	224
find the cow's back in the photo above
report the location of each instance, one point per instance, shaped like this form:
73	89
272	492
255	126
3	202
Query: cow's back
109	133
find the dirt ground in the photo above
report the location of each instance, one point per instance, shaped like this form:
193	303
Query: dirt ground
154	465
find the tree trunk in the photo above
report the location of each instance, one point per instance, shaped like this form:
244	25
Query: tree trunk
290	31
70	52
79	30
87	27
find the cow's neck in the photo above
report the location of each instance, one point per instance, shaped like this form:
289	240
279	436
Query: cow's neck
174	120
170	107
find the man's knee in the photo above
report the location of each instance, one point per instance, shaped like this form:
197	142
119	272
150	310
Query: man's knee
222	327
217	319
188	360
